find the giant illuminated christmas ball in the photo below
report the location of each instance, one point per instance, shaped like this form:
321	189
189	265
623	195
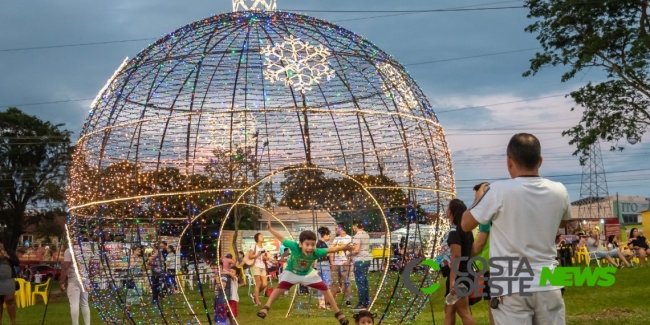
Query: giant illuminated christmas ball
250	109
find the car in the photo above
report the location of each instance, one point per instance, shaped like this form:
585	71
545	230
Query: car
47	271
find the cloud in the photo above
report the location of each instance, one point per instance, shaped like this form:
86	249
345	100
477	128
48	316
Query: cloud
80	72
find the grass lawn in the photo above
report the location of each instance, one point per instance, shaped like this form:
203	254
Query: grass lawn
625	302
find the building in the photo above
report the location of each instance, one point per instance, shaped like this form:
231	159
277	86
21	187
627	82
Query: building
626	213
646	222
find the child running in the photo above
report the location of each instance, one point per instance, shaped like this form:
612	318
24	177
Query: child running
364	318
236	280
300	270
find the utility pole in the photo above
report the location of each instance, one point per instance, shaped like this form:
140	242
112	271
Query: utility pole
593	190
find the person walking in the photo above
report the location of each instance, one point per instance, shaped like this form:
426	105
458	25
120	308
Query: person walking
8	262
323	265
361	260
155	265
136	283
77	296
341	268
525	213
170	263
459	244
257	253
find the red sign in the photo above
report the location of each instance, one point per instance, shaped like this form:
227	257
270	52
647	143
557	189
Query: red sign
612	230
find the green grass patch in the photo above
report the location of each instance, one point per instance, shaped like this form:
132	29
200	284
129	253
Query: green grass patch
625	302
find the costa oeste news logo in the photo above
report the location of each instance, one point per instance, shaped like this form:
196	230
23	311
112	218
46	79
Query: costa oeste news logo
519	270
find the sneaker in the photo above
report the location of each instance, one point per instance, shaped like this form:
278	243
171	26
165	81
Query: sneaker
360	307
348	304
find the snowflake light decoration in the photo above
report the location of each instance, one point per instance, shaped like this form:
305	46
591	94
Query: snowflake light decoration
395	87
258	5
298	63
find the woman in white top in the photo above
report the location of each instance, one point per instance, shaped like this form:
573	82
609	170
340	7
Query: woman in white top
170	262
258	269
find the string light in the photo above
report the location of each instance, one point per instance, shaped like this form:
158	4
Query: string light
244	5
237	110
299	64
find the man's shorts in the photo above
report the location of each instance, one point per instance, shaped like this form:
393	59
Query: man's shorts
258	271
341	274
542	308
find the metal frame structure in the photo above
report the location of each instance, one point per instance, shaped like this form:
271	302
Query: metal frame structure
593	188
224	93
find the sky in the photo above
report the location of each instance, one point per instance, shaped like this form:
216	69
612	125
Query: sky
39	69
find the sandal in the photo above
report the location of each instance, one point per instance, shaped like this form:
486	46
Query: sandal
342	320
262	314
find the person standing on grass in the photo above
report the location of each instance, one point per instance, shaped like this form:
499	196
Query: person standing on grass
258	269
222	296
460	245
526	212
361	257
77	296
341	269
8	262
300	270
323	265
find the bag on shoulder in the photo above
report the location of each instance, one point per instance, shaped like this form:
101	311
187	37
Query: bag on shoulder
480	281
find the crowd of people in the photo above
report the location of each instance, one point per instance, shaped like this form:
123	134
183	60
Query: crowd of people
518	217
314	261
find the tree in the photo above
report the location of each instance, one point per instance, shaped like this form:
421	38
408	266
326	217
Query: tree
47	228
304	188
610	35
33	155
232	170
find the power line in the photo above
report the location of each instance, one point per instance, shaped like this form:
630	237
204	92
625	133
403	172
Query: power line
401	13
496	104
473	56
47	103
74	45
408	11
553	176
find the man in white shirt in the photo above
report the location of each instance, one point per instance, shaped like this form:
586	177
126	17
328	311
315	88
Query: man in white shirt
76	295
362	258
341	268
526	212
595	245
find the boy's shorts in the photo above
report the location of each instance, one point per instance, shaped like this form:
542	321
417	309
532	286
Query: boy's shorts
313	280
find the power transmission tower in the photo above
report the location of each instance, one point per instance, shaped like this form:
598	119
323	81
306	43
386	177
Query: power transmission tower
594	202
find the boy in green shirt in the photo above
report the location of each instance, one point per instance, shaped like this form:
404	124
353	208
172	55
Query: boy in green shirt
300	269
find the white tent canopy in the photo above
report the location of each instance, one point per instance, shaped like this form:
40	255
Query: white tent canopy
415	232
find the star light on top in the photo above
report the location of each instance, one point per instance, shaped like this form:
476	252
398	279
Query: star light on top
298	64
254	5
395	87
